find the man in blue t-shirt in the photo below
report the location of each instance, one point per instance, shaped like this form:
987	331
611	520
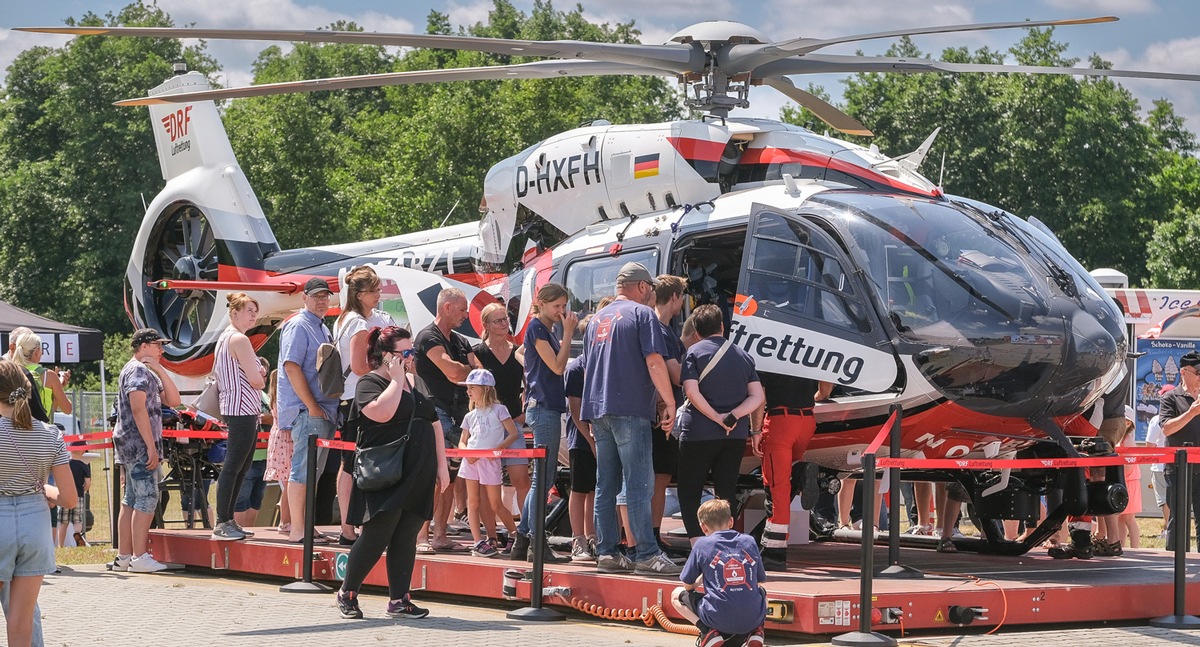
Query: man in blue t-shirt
669	295
302	408
623	356
727	563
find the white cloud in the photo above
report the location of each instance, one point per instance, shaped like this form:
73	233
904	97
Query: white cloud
1177	55
1119	7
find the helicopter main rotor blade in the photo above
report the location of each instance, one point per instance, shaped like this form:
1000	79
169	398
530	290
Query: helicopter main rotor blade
535	70
839	64
673	57
825	111
739	58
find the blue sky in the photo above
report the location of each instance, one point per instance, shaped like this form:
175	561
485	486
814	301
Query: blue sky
1152	34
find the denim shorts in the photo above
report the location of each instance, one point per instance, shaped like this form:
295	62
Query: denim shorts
141	488
304	427
26	545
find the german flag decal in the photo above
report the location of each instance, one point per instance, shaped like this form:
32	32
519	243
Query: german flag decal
645	166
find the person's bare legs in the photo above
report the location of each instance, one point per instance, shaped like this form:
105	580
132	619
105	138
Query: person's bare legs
141	532
623	513
22	600
442	503
60	533
344	482
518	475
125	531
845	501
923	493
246	518
658	500
295	496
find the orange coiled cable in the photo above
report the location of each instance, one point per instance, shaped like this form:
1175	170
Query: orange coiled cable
649	616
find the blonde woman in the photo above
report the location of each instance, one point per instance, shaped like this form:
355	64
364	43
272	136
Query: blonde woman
27	352
361	314
240	381
29	453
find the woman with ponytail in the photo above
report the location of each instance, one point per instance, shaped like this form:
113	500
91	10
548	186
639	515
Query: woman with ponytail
29	453
391	403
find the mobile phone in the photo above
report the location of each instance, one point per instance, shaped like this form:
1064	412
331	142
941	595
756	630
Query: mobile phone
730	420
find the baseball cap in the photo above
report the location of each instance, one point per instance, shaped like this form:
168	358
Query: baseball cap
633	273
1166	388
479	377
1130	415
314	285
147	336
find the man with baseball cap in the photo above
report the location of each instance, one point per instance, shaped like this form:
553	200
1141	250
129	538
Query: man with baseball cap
302	407
1180	413
144	386
1158	479
623	356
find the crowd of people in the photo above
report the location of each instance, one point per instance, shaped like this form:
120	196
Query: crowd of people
641	407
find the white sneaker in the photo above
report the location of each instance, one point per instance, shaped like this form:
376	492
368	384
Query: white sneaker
580	551
120	564
146	564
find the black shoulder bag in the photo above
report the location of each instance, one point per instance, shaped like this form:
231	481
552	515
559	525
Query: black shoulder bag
380	467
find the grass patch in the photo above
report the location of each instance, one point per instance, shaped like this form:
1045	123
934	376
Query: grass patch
84	555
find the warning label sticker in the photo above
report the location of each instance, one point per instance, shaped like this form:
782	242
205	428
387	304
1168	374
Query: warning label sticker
835	613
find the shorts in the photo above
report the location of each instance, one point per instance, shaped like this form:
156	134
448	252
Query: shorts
484	470
665	453
141	488
451	433
250	497
304	427
583	470
70	515
26	544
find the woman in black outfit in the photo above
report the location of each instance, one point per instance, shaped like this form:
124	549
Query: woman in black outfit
386	406
506	361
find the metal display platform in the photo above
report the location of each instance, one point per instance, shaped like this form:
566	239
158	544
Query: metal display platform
818	595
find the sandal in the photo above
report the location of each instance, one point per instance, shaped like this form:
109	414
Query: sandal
318	540
946	545
451	547
285	528
425	549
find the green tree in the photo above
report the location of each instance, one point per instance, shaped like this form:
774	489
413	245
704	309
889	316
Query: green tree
340	166
74	168
1073	151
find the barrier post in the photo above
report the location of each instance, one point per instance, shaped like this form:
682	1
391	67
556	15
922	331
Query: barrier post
307	585
1180	513
896	570
864	636
535	611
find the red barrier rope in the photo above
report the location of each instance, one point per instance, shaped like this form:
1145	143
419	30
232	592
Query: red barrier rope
453	453
884	432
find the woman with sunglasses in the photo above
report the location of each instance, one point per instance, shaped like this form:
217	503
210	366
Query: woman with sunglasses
363	291
386	407
506	361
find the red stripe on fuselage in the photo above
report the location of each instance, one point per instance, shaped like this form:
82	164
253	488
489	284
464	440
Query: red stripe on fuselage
702	150
781	155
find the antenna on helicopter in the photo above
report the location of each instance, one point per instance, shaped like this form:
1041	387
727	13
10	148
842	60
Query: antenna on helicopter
449	213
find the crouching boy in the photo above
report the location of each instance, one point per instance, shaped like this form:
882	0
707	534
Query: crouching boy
733	606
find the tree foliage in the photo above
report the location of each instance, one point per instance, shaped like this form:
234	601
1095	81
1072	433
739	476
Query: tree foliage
1073	151
74	168
339	166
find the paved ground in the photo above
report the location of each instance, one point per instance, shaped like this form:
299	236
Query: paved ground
88	606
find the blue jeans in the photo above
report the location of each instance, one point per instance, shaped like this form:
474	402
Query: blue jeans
547	431
304	427
141	488
624	453
26	547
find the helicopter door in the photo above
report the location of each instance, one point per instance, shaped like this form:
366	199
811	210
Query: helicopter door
798	311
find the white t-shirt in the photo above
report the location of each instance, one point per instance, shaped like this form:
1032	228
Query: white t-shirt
486	426
1156	437
348	327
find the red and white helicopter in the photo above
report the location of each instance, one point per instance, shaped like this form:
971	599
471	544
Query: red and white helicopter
833	261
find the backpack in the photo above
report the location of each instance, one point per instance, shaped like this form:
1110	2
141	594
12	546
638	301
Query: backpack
331	379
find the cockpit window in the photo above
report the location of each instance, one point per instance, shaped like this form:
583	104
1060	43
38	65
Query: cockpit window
794	270
591	279
938	270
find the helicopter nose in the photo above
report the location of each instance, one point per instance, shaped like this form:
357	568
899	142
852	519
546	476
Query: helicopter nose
1092	354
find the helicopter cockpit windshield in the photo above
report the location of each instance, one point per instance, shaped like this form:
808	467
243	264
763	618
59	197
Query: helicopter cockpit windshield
939	274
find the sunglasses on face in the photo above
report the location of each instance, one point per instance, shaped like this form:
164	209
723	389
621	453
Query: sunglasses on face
406	353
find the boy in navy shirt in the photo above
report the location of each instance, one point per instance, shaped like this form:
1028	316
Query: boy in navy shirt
733	605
